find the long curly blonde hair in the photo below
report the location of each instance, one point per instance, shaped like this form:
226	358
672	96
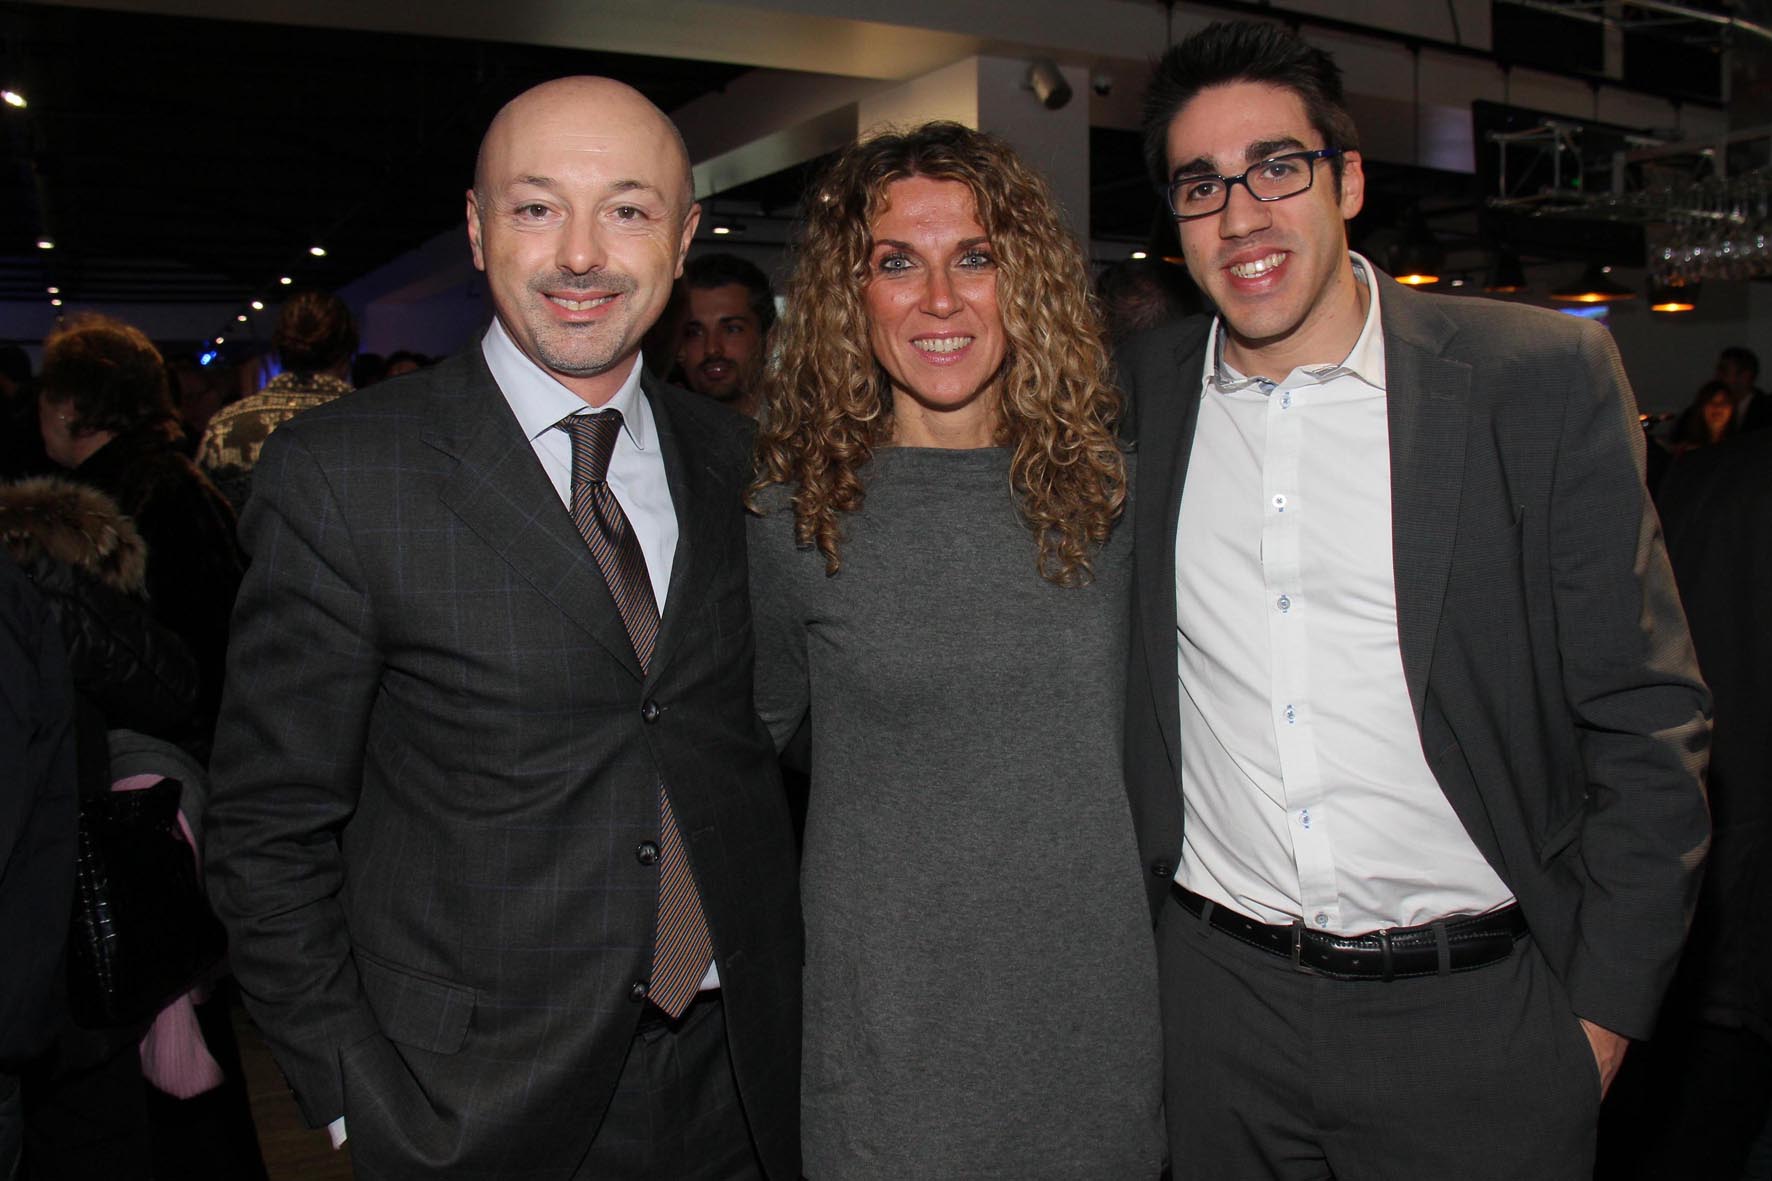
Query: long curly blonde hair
830	402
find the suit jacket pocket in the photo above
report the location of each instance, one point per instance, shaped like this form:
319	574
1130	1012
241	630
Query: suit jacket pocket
413	1008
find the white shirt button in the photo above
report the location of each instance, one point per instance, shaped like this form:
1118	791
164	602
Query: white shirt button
1280	501
1322	919
1284	603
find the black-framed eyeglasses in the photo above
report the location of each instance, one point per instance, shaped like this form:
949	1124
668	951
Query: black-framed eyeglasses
1273	179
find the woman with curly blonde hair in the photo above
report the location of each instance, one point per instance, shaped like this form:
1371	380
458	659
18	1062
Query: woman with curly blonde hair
939	586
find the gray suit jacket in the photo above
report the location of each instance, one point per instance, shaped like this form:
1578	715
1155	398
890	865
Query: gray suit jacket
1545	652
437	758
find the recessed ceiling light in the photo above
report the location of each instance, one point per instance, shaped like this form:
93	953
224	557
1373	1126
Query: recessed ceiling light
317	251
241	317
1137	254
55	291
220	339
285	280
13	98
46	243
258	305
55	303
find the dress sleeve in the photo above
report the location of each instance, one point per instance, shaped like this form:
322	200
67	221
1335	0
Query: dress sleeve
779	617
1641	713
305	669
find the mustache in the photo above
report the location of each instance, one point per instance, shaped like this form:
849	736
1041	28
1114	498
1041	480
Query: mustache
602	283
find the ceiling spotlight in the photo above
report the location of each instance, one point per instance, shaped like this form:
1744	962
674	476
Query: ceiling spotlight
285	280
724	226
1593	287
55	303
1417	257
1508	276
13	98
1138	254
46	243
1673	297
1047	82
220	339
317	251
55	291
241	317
258	305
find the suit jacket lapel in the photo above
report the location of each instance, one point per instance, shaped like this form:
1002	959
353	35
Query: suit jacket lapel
500	491
696	495
1428	399
1169	404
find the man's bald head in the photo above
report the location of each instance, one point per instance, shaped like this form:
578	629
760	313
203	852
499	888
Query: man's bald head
589	102
581	213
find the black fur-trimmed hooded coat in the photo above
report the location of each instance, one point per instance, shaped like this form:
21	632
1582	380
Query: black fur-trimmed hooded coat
89	562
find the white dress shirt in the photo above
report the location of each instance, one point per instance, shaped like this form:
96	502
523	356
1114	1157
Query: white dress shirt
1305	789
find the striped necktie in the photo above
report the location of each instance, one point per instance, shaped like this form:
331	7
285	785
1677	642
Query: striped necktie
682	948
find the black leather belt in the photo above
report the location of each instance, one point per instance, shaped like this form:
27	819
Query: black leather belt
1455	944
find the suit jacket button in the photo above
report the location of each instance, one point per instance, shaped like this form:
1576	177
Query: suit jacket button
1162	869
649	712
637	992
646	853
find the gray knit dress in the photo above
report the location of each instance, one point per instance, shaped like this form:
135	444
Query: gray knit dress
981	991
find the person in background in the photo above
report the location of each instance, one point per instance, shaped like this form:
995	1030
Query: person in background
403	361
1138	294
315	339
367	369
38	822
106	414
91	1107
1416	736
1739	369
1712	417
724	339
1692	1101
940	582
21	444
198	393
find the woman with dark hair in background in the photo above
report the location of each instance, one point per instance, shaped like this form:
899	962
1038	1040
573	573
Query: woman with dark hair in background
938	583
106	414
1707	421
316	338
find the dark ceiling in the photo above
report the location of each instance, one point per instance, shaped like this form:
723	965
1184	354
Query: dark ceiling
190	160
180	159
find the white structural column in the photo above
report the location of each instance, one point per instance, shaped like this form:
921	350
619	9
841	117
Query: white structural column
991	94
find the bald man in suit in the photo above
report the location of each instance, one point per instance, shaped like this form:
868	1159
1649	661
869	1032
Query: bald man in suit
500	842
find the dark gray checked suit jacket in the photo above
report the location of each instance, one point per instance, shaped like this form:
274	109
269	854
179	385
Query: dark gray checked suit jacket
1545	652
437	758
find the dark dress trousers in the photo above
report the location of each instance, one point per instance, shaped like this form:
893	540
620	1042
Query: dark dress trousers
1545	653
436	784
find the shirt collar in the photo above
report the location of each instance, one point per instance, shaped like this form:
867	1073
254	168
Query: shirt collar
1365	361
539	400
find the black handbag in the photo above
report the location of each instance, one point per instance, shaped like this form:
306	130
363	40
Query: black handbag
143	932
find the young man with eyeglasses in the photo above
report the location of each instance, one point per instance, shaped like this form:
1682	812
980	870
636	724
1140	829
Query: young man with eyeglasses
1415	735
